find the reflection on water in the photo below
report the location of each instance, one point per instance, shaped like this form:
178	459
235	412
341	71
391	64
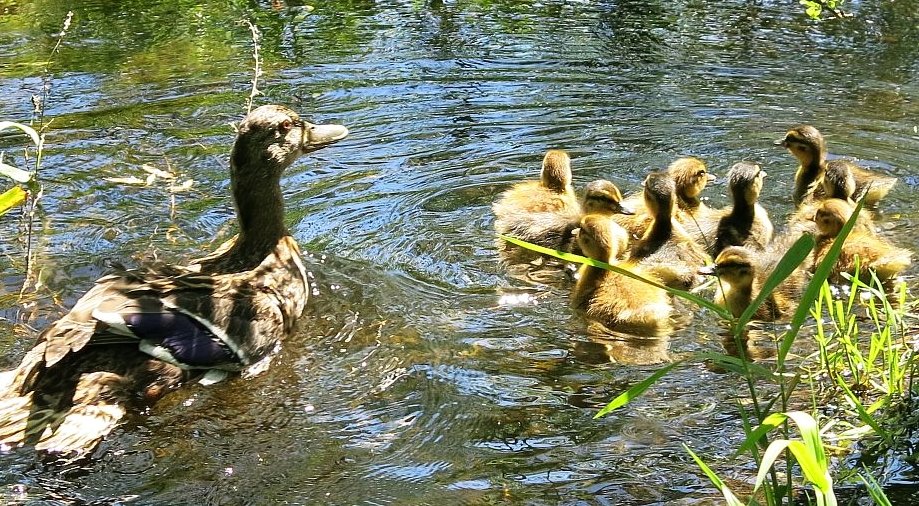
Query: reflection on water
425	371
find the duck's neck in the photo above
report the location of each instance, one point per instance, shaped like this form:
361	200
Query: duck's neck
809	175
589	278
688	203
737	297
261	217
659	232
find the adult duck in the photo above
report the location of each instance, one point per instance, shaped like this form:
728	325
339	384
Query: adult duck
540	212
807	144
139	333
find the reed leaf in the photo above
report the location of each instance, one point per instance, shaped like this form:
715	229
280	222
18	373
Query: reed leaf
821	273
789	262
729	496
571	257
636	390
11	198
25	128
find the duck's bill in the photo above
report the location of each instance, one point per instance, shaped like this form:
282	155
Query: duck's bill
628	211
708	270
780	142
319	136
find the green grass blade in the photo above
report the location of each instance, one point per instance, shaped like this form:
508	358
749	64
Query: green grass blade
636	390
786	266
813	287
25	128
874	489
729	496
11	198
571	257
772	421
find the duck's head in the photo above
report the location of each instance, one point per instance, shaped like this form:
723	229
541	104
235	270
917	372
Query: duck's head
271	137
658	193
689	176
745	179
734	265
556	170
831	216
603	197
839	181
596	238
805	143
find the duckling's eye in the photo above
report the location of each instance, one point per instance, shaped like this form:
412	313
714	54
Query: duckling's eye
285	126
700	173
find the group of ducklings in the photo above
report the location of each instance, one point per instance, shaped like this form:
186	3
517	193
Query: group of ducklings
668	235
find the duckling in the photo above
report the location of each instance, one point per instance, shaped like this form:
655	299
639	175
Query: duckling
809	147
541	212
603	198
740	278
690	177
873	252
137	334
746	222
665	248
615	300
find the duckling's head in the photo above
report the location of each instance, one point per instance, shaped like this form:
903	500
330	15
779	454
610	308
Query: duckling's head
271	137
805	143
689	176
745	179
556	170
658	193
831	216
734	265
597	238
839	181
603	197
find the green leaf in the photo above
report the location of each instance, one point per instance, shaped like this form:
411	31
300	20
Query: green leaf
874	489
736	364
11	198
772	421
790	261
729	496
571	257
25	128
821	273
636	390
18	175
769	456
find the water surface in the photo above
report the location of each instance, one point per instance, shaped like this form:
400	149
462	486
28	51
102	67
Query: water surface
425	372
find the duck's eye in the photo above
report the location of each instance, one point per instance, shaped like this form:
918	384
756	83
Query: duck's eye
701	173
285	126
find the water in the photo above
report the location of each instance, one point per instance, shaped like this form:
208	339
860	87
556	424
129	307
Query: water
425	372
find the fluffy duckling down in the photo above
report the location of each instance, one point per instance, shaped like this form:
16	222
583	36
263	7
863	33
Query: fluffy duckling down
603	198
741	274
746	222
665	248
617	301
541	212
808	146
861	248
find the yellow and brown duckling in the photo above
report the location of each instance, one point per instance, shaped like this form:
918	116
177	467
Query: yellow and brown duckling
690	177
746	222
603	198
541	212
861	247
617	301
741	273
665	248
137	334
807	144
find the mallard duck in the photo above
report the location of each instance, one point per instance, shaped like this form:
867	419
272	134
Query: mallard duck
746	222
872	252
603	198
617	301
808	146
139	333
665	248
540	212
690	176
741	273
